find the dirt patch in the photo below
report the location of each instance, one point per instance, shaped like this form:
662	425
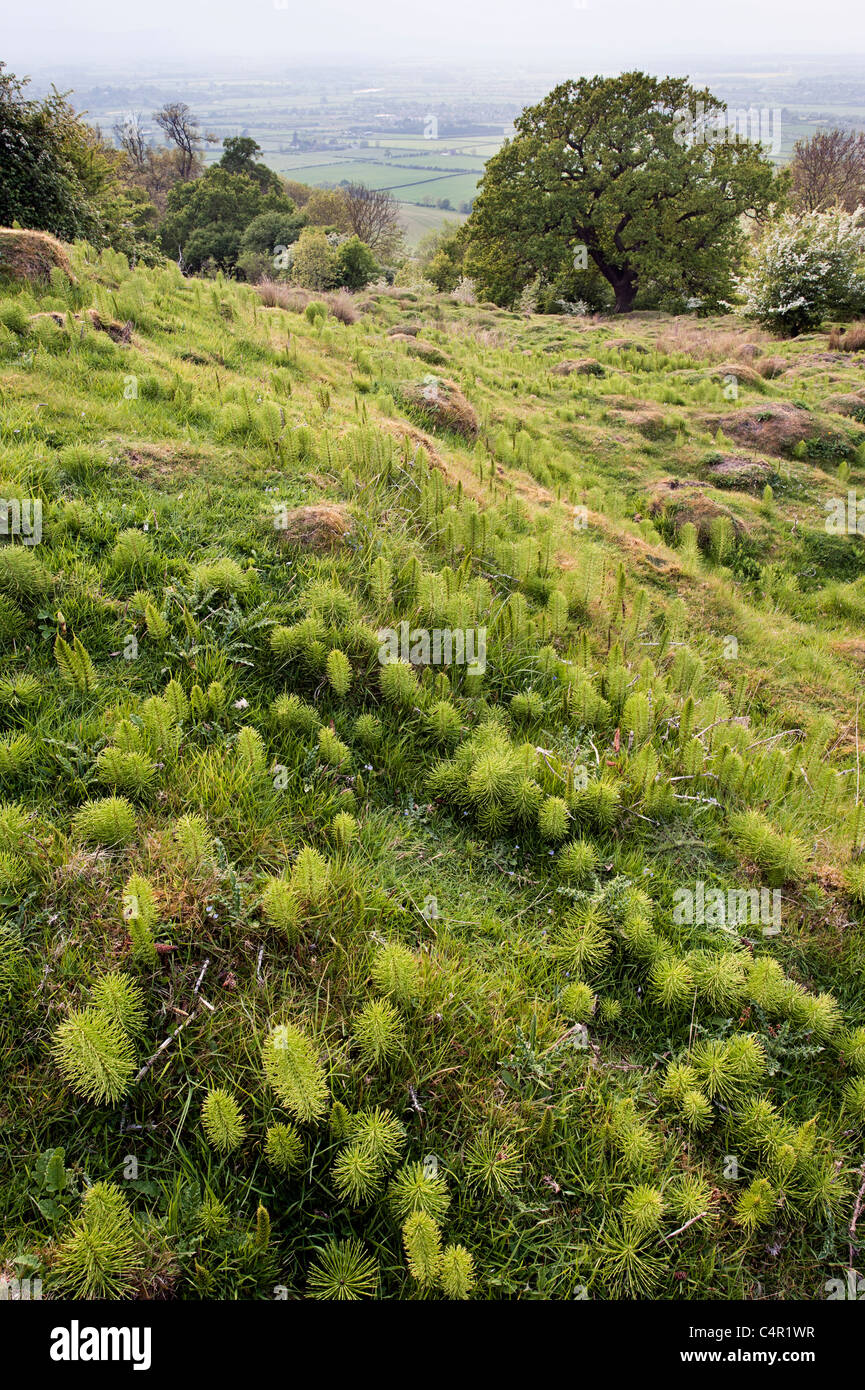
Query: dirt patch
321	526
851	649
442	404
31	255
419	347
852	405
770	367
531	492
771	429
684	502
739	472
578	366
650	423
162	463
117	332
626	345
741	371
625	403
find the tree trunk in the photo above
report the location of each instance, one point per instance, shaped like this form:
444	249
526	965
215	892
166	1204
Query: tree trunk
622	282
626	292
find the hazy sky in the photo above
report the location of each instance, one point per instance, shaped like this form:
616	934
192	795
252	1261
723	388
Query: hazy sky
120	33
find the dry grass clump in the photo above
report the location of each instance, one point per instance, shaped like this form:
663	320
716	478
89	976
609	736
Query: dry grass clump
276	294
750	376
484	337
770	367
442	404
117	332
31	255
320	527
853	340
707	344
578	366
419	347
342	305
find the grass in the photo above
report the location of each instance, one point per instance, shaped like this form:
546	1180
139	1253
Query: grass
448	897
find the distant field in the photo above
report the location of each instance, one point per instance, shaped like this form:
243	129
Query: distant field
418	221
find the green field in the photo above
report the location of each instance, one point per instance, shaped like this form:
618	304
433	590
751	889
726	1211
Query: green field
418	221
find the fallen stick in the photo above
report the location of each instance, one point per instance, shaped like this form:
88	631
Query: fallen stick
698	1217
857	1212
162	1046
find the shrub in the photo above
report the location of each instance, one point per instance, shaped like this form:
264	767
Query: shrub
314	263
283	1147
293	1070
422	1240
396	972
343	1273
377	1031
109	822
94	1055
100	1257
222	1121
806	267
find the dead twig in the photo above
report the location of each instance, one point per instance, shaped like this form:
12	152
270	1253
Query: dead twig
698	1217
163	1045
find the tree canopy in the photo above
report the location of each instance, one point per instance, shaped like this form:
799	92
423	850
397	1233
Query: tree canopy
207	218
238	157
611	165
58	176
828	170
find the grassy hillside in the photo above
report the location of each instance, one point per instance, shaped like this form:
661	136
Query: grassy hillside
300	949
